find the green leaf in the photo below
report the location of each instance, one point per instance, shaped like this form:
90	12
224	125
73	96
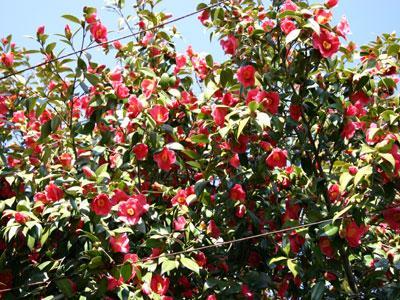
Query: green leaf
277	259
175	146
318	290
72	19
168	265
45	130
363	172
190	264
148	72
344	180
388	157
126	271
96	262
292	35
65	287
313	25
209	60
199	187
341	213
293	267
242	124
225	77
55	123
102	170
50	47
200	139
330	230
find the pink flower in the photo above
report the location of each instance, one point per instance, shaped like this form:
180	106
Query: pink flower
101	205
288	5
119	196
165	159
392	217
334	192
121	91
237	193
40	30
7	59
148	87
240	211
131	210
134	107
120	243
295	111
245	75
147	38
361	98
66	160
219	113
213	230
204	16
179	223
287	26
99	32
234	161
159	113
268	25
269	100
354	233
115	75
159	284
229	45
322	16
179	198
327	43
53	192
141	151
331	3
277	158
343	28
349	130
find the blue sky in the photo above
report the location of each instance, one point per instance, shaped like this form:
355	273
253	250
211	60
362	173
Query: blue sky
367	18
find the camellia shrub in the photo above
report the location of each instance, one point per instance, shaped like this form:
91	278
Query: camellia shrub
112	178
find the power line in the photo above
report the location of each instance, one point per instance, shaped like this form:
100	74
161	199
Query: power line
199	248
112	41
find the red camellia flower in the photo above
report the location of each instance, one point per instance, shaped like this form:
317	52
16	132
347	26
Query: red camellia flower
204	16
326	246
343	28
159	284
234	161
134	107
213	230
53	192
269	101
287	26
179	223
66	160
354	233
237	193
7	59
240	211
392	217
121	91
349	130
179	198
219	113
40	30
99	32
326	42
334	192
148	87
131	210
101	205
120	243
295	112
322	16
21	218
165	159
141	151
229	45
331	3
245	75
159	113
277	158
